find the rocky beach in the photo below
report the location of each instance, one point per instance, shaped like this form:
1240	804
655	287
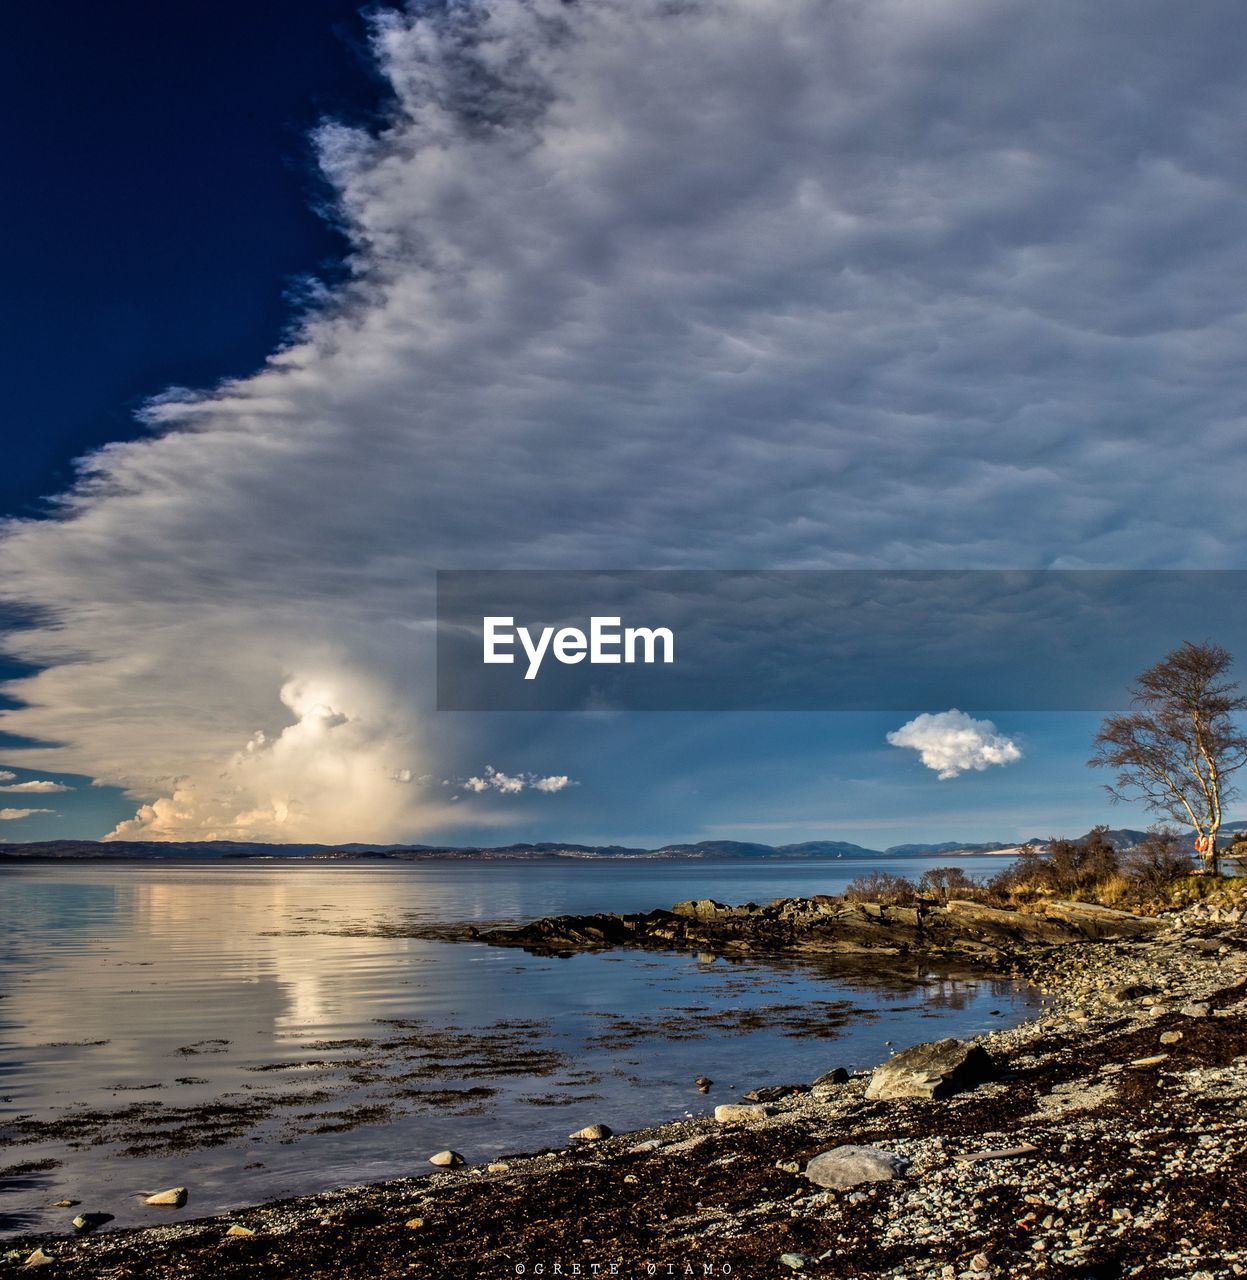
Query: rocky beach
1105	1137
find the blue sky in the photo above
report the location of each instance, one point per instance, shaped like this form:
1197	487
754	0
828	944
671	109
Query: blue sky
331	300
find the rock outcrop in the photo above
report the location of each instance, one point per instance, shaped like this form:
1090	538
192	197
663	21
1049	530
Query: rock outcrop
829	925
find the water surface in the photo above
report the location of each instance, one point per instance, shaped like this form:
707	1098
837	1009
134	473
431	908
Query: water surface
257	1030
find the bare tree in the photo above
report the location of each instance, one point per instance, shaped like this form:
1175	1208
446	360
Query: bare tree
1178	748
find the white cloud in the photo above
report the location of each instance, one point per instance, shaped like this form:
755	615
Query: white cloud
640	284
951	742
491	779
40	786
12	815
7	775
291	786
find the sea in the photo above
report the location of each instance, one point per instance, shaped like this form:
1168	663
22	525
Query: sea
258	1029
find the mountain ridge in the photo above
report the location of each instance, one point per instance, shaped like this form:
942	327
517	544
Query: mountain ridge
117	850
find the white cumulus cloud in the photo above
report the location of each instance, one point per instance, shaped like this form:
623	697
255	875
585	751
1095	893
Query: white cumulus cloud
12	815
951	742
491	779
40	786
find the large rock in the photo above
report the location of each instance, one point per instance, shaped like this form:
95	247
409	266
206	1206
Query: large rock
775	1092
932	1070
591	1133
740	1112
447	1159
847	1166
173	1198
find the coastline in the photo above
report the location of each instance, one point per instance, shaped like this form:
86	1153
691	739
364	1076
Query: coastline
1114	1113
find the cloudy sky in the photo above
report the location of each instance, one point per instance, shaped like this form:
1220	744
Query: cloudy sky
614	284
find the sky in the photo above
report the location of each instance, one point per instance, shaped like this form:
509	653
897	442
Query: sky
303	304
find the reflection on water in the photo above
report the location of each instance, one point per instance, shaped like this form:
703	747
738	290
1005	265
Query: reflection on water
251	1031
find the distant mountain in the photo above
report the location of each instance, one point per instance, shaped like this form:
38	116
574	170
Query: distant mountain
742	849
948	846
716	849
1122	838
827	849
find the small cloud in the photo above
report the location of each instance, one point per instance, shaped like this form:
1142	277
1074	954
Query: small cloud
950	742
37	786
491	779
7	775
11	815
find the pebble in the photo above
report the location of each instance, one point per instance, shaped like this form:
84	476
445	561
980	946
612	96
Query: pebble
414	1224
447	1159
173	1198
236	1229
38	1259
796	1261
497	1166
1170	1037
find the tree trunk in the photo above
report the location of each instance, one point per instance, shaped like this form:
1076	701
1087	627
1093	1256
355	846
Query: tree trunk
1209	855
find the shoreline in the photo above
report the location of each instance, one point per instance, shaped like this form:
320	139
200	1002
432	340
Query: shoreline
1135	1152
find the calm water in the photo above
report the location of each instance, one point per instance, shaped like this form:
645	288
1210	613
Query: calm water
264	1029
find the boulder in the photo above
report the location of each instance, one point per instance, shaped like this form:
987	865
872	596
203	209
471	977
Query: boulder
837	1076
848	1166
173	1198
447	1159
933	1070
89	1221
774	1092
735	1112
591	1133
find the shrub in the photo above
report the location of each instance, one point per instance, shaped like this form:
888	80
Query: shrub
949	882
1067	868
882	887
1163	858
